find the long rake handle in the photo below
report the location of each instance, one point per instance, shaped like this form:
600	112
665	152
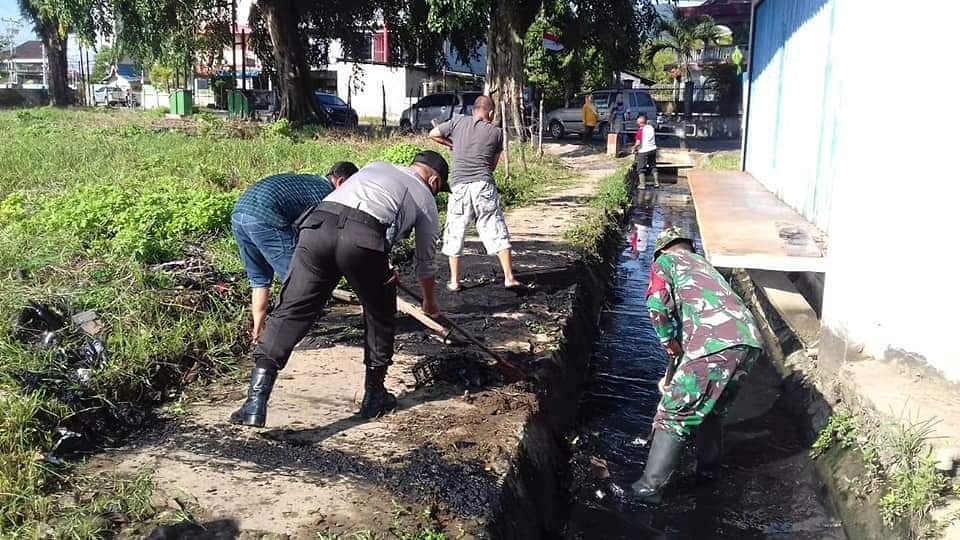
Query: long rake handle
445	321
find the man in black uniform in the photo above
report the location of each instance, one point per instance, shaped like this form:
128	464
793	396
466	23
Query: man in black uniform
346	235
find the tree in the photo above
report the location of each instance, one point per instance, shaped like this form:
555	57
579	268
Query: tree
105	59
53	20
684	36
601	40
161	76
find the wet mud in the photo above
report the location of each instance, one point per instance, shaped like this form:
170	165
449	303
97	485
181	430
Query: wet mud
769	487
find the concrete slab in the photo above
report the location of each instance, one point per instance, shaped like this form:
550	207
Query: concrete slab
905	393
791	305
743	225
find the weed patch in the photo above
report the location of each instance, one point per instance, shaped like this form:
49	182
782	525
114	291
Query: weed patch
126	215
611	199
897	461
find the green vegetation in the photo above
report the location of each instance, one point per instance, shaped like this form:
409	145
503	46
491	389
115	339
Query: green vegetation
611	199
127	214
898	462
722	161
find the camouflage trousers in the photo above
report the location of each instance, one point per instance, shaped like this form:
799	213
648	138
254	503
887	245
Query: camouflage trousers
703	386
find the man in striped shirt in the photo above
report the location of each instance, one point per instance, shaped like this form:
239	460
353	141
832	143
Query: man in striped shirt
262	224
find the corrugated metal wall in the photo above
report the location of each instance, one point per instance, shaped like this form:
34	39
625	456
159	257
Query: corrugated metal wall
794	103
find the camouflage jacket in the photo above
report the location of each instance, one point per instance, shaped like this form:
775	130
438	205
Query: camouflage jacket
690	302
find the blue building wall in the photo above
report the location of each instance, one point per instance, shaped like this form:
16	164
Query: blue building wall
794	106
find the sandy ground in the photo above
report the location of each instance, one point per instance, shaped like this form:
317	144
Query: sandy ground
317	467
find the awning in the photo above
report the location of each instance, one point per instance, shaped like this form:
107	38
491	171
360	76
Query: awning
743	225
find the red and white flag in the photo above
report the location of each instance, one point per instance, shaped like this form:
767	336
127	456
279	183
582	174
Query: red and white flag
551	42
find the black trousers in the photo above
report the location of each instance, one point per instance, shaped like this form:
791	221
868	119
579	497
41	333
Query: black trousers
646	162
334	242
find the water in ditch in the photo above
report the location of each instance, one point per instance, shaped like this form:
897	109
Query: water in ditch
769	488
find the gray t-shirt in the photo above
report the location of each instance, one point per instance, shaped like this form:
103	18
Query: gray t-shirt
396	197
476	147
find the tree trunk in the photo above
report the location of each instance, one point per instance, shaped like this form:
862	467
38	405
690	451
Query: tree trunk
293	72
56	49
508	27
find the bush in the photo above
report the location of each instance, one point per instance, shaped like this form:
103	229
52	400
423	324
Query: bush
146	222
399	154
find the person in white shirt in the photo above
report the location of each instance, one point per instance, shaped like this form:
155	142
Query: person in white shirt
645	148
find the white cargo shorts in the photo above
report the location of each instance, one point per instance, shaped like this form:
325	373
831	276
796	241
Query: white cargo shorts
475	202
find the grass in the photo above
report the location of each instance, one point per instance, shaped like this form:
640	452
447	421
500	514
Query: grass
897	461
611	199
722	161
90	201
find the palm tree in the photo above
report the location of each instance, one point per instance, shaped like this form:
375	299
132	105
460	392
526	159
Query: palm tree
684	36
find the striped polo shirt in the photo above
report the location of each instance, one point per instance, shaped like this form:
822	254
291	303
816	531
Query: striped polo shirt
279	200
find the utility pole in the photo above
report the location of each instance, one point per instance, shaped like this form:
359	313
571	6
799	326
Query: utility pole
233	38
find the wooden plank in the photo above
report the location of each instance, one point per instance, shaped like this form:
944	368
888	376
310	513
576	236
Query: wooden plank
403	307
743	225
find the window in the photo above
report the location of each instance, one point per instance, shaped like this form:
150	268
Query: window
330	99
643	99
433	100
577	102
601	100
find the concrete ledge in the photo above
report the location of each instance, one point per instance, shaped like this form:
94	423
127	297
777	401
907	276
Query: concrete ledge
791	306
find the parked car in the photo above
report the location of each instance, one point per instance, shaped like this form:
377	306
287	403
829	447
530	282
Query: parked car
341	114
108	96
440	107
566	120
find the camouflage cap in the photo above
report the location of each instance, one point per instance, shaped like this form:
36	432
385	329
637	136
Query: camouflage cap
668	237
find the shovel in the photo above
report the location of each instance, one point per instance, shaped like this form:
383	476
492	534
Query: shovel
507	367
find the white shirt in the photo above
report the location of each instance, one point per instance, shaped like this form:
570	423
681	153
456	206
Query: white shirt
647	139
397	198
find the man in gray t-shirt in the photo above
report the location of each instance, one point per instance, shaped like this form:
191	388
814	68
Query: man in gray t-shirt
476	144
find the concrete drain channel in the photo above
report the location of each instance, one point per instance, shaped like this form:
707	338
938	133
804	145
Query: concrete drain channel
769	486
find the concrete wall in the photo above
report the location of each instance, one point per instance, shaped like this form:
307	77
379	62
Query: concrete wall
890	289
794	99
369	83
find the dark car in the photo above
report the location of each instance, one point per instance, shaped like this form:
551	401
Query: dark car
438	107
341	114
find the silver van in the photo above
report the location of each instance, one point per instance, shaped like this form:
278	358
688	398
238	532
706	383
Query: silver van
567	120
440	107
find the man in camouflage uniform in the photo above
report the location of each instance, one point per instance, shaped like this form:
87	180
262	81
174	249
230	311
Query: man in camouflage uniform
711	340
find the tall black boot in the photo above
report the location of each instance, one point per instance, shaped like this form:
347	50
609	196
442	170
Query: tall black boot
709	447
376	399
254	409
663	459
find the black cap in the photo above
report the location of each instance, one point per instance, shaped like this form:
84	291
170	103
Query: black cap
436	162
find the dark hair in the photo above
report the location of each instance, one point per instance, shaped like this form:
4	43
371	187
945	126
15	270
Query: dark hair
644	115
343	169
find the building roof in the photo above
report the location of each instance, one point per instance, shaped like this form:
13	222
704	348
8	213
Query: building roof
29	50
721	10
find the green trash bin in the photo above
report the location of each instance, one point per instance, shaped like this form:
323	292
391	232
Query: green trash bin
181	102
238	105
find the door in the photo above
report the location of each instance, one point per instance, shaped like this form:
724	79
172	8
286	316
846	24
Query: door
572	116
439	109
601	100
640	102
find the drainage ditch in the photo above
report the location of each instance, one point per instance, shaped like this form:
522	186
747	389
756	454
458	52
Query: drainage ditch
591	427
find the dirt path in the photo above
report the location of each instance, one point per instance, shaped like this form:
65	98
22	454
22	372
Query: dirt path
318	467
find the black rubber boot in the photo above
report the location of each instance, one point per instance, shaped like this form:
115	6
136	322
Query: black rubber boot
254	409
376	400
662	461
709	447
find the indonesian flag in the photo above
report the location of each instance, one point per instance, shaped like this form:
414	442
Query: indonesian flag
551	42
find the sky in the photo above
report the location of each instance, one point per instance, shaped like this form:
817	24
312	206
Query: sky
10	9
